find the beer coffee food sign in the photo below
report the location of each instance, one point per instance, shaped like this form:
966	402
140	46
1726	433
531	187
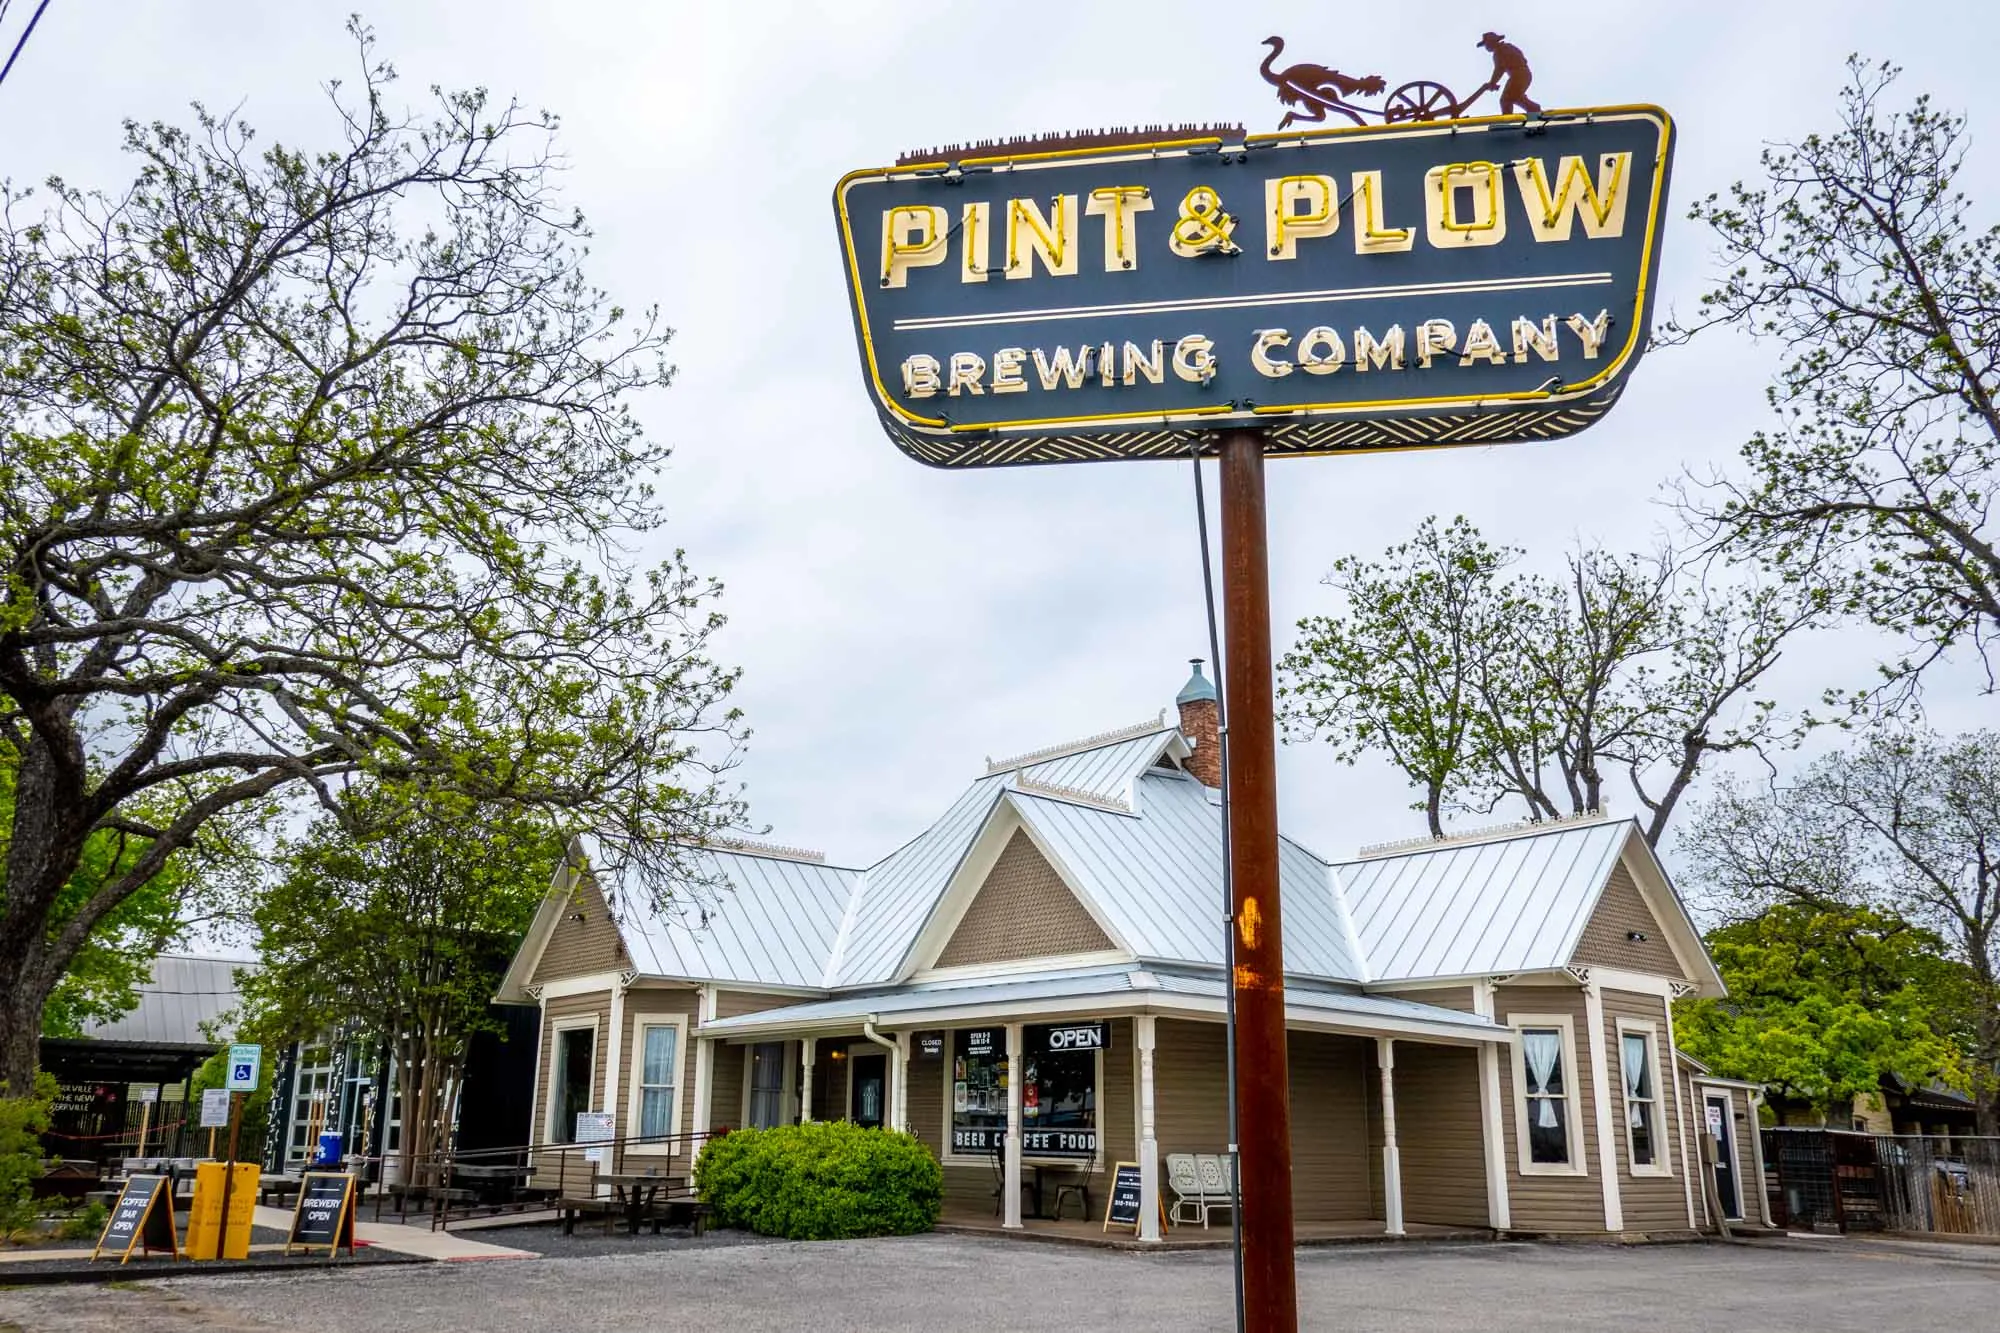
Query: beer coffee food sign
1467	282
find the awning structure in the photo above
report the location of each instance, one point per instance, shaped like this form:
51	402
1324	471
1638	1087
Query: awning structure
1119	989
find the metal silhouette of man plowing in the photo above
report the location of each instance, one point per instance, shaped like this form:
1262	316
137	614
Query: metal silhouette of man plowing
1511	76
1310	91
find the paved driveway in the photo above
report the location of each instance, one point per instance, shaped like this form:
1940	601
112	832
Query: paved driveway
946	1282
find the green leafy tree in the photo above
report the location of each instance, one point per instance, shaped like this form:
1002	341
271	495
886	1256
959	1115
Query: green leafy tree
1905	824
22	1120
399	919
321	463
1824	1001
1860	255
1487	686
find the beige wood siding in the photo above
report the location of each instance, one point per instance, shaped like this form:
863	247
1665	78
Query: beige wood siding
1439	1134
579	948
1117	1104
730	1003
1444	997
1606	938
1551	1203
1022	910
727	1080
1190	1088
1332	1146
1649	1202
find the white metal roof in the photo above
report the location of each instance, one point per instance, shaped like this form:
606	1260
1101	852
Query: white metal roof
1513	904
1157	875
772	921
1142	846
182	996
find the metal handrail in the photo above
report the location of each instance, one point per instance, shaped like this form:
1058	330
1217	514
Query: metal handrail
530	1160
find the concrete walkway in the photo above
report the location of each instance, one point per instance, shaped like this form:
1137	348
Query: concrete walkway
397	1238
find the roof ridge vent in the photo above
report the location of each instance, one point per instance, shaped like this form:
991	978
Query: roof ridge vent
1096	800
1402	845
1097	742
775	851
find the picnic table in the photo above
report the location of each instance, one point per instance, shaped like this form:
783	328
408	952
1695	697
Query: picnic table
638	1194
488	1180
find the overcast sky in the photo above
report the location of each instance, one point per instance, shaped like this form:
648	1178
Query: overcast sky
897	624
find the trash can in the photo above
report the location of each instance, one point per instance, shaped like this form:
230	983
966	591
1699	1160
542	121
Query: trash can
328	1152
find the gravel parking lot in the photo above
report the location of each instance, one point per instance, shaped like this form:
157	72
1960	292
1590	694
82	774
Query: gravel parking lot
940	1282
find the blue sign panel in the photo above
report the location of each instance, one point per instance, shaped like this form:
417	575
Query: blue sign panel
1467	282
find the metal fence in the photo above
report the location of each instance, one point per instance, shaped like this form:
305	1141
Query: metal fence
1835	1180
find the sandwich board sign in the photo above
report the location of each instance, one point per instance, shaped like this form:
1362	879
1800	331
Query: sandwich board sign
245	1060
142	1217
1390	287
1127	1194
324	1216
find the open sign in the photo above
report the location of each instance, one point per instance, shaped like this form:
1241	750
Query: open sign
1075	1037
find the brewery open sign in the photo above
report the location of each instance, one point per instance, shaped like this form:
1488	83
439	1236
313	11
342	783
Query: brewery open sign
1389	287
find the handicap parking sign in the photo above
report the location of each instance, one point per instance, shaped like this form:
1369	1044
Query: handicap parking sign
244	1061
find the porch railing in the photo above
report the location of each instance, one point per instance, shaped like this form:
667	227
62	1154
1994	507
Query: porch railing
1836	1179
530	1177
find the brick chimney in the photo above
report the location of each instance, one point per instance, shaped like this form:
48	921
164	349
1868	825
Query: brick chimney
1201	726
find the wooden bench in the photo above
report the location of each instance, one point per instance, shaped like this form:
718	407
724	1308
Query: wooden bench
674	1211
277	1190
574	1207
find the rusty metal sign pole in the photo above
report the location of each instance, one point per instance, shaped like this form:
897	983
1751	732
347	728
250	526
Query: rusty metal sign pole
1257	980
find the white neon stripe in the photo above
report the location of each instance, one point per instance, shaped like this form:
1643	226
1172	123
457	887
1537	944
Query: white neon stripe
1246	302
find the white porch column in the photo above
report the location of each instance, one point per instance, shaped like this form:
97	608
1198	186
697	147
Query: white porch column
1671	1078
1600	1089
1149	1144
1010	1176
704	1088
806	1078
899	1095
614	1043
1392	1160
1499	1211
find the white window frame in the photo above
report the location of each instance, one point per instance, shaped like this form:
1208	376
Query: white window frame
635	1094
556	1028
951	1158
1577	1102
788	1095
1662	1160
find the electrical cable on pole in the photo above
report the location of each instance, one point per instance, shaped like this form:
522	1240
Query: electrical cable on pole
33	19
1228	899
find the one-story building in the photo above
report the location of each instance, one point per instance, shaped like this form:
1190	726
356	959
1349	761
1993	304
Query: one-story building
1480	1026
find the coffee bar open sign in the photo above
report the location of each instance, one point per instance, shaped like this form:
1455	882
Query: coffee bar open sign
1471	282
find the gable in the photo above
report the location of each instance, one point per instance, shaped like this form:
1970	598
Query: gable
584	939
1606	940
1022	910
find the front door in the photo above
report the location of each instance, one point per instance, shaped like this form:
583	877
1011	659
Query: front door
1722	1126
576	1050
869	1075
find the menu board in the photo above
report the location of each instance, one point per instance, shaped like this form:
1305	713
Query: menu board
325	1213
143	1216
1126	1194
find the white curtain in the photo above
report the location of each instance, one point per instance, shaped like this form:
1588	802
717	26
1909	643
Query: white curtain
1636	1089
656	1082
1544	1055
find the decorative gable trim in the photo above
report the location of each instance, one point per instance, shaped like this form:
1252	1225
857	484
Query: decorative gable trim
973	869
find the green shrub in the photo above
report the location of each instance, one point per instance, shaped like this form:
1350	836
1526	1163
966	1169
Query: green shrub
86	1225
22	1120
827	1180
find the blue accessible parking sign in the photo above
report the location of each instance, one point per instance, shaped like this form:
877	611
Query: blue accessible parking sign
245	1061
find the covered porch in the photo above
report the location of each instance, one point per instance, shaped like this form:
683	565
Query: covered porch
1395	1120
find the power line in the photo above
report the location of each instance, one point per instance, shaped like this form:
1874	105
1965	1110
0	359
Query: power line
35	18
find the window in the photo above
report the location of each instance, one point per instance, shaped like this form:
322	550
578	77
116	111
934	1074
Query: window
661	1043
767	1084
1545	1102
978	1089
1637	1059
1058	1089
